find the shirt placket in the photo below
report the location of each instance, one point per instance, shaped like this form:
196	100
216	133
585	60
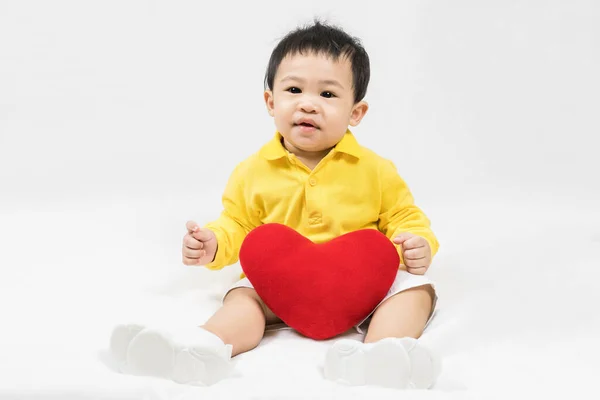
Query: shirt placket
315	215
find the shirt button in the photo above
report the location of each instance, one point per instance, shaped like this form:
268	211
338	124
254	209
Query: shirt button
315	218
312	181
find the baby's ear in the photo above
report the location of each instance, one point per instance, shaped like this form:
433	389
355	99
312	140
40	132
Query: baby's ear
358	112
269	101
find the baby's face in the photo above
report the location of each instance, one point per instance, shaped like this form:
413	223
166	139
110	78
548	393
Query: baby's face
312	101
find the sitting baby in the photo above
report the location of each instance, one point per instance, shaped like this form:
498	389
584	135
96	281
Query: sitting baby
314	177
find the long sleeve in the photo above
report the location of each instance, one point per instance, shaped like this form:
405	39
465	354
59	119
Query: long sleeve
234	223
398	211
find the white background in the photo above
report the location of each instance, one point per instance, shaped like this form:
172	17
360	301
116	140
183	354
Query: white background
120	120
133	97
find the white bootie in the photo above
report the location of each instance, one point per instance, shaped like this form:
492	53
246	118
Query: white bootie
396	363
191	356
121	337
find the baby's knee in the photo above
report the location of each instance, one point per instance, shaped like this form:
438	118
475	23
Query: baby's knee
429	292
245	297
424	293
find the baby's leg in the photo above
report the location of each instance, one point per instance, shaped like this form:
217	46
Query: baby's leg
241	320
390	356
402	315
198	354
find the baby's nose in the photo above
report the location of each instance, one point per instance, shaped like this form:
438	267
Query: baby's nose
307	105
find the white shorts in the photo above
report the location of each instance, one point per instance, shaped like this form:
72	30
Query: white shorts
403	281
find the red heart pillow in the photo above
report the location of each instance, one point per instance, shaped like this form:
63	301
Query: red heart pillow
321	290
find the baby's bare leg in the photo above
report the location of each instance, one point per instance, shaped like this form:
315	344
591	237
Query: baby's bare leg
241	320
403	315
392	356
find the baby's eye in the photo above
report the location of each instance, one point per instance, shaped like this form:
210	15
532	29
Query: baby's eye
327	95
294	90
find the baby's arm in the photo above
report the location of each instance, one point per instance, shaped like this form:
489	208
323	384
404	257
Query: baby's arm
234	223
399	214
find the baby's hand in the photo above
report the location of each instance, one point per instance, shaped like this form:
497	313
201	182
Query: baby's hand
199	245
416	252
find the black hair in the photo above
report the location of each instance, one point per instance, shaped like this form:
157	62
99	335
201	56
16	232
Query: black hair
327	40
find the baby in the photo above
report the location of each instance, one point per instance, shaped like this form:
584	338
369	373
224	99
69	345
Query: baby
314	177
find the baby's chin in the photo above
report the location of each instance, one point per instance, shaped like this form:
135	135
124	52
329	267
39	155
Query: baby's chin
312	142
309	146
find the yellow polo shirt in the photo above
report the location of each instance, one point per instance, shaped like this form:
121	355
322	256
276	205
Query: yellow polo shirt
351	188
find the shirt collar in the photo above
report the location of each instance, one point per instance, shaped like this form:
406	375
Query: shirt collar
349	145
274	149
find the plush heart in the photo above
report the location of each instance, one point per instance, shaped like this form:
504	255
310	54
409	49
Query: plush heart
324	289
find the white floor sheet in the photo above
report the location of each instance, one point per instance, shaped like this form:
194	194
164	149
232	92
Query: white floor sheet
518	303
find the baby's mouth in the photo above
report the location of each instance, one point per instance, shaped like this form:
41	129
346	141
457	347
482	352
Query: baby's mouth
306	125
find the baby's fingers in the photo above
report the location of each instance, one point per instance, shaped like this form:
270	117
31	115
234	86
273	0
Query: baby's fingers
192	256
417	271
202	234
191	226
192	261
420	263
415	254
192	243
